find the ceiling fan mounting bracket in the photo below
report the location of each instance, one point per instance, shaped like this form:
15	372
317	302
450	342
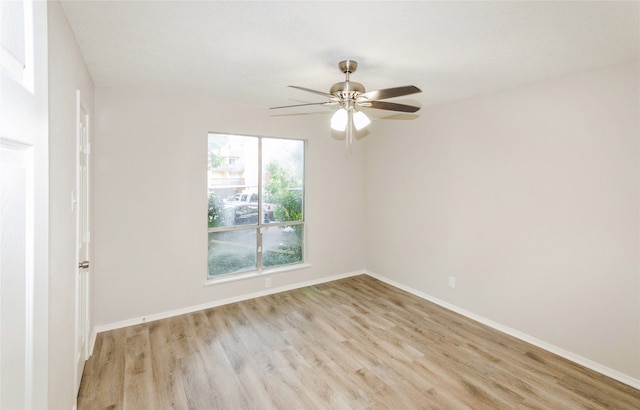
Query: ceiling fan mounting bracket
348	66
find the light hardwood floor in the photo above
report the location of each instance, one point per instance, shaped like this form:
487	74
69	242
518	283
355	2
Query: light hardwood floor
355	343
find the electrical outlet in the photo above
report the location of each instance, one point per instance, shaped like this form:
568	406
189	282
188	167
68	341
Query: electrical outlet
452	282
267	282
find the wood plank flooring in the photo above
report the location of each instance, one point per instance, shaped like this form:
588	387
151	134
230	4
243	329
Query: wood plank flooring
355	343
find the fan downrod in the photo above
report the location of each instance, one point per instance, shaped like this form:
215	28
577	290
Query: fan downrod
347	90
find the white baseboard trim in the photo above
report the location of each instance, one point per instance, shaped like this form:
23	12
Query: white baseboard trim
190	309
590	364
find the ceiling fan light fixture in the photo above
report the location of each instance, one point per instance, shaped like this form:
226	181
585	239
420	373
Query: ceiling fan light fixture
350	95
339	120
360	120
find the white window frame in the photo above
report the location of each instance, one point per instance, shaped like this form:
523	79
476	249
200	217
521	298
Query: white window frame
260	226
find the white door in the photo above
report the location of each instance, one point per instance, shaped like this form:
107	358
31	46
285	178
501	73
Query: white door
82	240
23	204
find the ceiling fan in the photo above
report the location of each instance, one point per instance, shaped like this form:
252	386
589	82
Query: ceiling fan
349	95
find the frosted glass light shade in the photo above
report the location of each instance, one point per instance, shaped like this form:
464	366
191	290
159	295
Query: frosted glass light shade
360	120
339	120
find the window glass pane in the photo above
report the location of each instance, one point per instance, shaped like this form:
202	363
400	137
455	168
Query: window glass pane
282	245
283	179
232	251
232	180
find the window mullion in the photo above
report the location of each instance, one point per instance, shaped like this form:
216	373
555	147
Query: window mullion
259	249
260	209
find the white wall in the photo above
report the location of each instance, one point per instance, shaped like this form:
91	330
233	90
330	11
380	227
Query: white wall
150	200
67	72
529	198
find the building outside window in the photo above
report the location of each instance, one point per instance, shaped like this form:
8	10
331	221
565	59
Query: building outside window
255	204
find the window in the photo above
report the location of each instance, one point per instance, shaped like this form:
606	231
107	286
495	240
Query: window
256	207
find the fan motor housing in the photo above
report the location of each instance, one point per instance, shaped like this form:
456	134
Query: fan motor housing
347	89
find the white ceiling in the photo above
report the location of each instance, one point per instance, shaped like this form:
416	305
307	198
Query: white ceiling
248	52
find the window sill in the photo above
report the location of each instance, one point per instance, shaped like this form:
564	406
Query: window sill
255	274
